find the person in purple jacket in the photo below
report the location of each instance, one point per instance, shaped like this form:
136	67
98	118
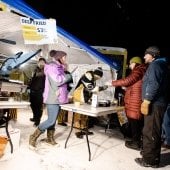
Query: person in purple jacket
55	93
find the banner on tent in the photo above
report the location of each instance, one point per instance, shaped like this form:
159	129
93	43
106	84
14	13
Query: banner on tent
39	31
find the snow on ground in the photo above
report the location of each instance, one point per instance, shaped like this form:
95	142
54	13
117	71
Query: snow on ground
107	150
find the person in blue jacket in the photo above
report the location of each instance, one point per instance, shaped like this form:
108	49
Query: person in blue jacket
154	95
166	129
166	120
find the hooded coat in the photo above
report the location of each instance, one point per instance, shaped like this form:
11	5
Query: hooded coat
133	93
55	91
155	82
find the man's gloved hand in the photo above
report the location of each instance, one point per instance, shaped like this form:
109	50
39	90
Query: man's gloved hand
145	107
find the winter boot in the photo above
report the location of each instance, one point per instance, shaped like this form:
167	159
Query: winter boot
133	145
33	138
50	138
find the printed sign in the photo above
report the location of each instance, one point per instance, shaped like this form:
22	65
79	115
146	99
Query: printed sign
39	31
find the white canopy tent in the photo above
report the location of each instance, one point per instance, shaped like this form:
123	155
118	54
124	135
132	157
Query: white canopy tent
79	54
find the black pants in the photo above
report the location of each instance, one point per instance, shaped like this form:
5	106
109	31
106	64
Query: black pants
136	127
36	100
152	134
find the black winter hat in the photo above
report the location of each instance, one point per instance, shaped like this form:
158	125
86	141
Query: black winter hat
98	71
153	51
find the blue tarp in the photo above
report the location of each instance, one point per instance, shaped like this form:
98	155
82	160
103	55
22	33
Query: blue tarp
20	5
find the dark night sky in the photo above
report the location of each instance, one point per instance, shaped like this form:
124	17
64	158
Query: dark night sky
131	24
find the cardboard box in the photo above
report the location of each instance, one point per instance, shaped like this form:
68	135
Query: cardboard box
15	138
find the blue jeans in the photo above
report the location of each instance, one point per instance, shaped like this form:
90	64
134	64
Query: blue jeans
52	112
166	126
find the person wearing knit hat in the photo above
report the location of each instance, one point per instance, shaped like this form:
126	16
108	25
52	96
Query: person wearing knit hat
136	60
83	91
54	94
132	102
98	71
57	54
154	103
60	56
